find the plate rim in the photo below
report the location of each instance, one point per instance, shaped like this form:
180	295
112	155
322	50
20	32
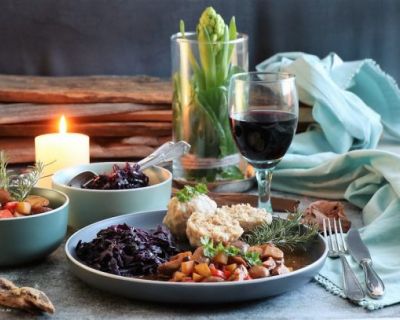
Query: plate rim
186	284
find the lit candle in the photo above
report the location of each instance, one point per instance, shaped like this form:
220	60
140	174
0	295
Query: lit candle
60	150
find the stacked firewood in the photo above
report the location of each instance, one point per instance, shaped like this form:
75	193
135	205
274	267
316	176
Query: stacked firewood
125	117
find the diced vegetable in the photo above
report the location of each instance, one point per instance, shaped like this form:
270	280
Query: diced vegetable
221	258
196	277
240	273
269	263
258	272
37	201
216	272
11	205
23	207
187	267
178	276
231	267
6	214
4	196
213	279
203	269
269	250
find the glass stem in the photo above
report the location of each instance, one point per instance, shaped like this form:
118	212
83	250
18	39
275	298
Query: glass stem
264	178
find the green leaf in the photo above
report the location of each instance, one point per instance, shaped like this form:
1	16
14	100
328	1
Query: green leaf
182	28
232	29
208	247
252	258
232	36
224	59
188	192
207	57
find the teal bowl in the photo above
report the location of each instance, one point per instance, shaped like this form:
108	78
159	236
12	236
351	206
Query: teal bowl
89	206
31	238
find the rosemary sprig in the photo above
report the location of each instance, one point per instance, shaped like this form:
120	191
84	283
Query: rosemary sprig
282	233
19	185
4	180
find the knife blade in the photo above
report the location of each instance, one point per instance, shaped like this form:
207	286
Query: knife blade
360	253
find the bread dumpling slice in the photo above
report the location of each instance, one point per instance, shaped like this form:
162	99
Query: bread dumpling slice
218	226
179	212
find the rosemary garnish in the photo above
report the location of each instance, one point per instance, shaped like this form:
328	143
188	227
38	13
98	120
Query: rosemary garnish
282	233
4	180
19	185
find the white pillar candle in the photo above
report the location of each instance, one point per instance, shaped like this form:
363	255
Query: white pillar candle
60	150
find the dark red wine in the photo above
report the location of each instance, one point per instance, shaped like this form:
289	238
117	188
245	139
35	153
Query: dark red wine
263	136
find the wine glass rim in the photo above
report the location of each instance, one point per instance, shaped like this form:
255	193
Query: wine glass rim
279	76
191	37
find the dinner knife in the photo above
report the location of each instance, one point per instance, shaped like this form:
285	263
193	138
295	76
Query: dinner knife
360	253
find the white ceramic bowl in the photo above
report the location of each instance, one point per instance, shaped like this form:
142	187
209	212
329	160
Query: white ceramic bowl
89	206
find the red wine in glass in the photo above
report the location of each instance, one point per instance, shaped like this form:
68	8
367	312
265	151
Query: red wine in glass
263	136
263	112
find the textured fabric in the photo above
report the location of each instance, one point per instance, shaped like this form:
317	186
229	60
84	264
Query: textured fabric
369	179
352	101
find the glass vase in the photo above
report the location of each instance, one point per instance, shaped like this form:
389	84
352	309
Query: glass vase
201	72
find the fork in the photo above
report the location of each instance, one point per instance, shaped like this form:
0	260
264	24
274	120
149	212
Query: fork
337	249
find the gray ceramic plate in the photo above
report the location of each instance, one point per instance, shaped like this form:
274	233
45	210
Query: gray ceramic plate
161	291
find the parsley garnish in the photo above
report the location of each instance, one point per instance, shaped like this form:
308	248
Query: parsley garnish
210	251
252	258
188	192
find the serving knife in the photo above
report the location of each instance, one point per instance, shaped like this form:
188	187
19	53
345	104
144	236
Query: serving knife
360	253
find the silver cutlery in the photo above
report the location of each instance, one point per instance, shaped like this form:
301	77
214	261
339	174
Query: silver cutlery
337	249
166	152
360	253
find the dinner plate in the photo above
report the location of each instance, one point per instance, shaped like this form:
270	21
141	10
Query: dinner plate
178	292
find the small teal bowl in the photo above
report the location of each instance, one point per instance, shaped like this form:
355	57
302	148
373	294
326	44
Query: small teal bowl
31	238
89	206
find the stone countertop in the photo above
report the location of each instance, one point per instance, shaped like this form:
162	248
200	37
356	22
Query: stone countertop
74	299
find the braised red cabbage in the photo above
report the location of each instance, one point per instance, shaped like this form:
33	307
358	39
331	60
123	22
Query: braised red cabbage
127	177
127	251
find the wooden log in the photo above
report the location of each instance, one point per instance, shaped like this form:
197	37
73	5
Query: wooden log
144	116
28	112
84	89
23	150
119	151
96	129
148	141
18	150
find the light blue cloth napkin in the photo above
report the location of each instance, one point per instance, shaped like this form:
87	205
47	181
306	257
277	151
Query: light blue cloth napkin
369	179
353	103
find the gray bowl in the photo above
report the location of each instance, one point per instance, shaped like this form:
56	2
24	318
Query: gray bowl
89	206
175	292
30	238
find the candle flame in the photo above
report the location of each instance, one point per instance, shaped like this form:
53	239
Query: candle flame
63	125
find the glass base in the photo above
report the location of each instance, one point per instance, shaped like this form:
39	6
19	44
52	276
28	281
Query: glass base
226	173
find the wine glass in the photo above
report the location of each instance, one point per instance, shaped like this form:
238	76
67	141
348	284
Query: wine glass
263	113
